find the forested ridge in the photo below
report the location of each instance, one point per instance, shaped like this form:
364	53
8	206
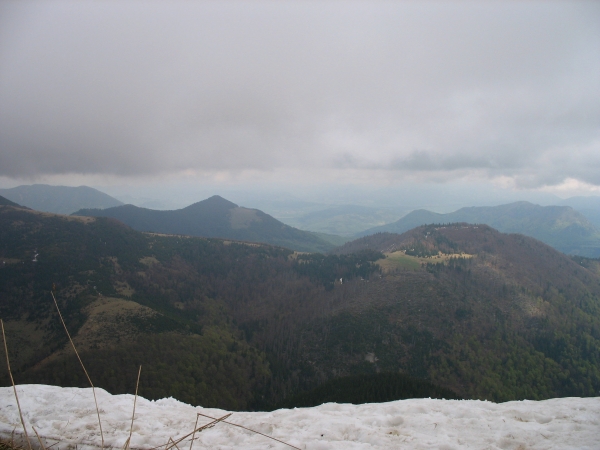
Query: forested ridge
239	325
561	227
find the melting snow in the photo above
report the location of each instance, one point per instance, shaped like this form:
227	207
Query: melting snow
67	418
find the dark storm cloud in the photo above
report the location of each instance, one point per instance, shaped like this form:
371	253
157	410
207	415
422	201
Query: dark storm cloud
497	89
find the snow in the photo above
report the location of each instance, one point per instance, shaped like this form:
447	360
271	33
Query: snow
66	417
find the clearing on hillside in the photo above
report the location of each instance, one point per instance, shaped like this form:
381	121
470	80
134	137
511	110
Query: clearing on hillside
400	260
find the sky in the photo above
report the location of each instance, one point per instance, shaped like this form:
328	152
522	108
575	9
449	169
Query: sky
137	97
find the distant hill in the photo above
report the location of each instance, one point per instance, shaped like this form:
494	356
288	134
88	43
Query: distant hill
59	199
215	217
558	226
588	206
7	202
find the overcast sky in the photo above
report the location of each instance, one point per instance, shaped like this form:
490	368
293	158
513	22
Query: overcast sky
355	92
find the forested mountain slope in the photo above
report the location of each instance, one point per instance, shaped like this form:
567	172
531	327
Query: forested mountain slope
236	325
558	226
215	217
59	199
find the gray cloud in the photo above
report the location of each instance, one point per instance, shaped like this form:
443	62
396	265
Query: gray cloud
133	89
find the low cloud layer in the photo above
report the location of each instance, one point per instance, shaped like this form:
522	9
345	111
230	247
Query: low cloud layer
424	89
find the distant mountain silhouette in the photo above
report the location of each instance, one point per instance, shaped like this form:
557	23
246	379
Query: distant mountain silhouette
588	206
7	202
558	226
59	199
215	217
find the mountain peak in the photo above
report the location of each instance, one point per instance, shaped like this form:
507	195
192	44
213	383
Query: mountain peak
216	217
216	201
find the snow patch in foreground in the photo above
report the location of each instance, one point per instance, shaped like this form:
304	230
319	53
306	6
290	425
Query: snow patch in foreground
68	416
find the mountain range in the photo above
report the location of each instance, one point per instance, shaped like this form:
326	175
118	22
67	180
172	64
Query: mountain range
235	325
219	218
59	199
558	226
571	227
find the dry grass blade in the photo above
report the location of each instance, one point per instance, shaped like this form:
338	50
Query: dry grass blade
194	434
13	384
253	431
171	440
9	446
133	414
203	427
82	366
39	439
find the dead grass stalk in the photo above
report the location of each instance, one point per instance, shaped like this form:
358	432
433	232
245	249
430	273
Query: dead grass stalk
39	439
137	384
253	431
13	384
194	435
82	366
203	427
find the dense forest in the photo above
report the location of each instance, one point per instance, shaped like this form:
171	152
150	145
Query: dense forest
247	326
368	388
